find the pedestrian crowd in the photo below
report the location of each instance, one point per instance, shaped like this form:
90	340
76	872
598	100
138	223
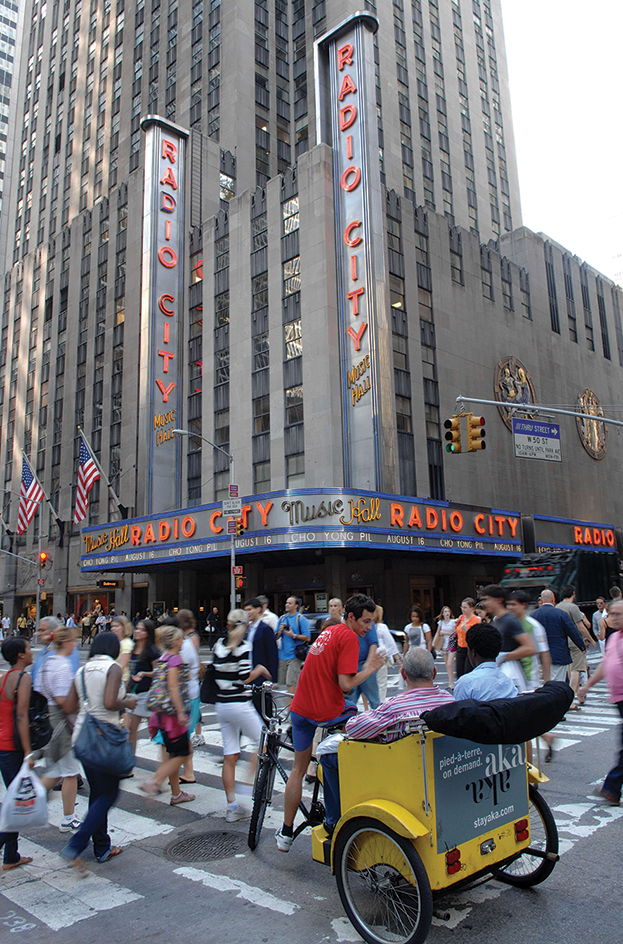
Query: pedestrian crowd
148	671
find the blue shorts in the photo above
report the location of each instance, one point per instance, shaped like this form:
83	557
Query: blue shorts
303	729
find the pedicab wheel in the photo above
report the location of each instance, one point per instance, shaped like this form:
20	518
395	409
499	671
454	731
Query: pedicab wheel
261	799
383	884
528	869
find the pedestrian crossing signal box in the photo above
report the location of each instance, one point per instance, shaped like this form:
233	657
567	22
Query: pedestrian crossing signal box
241	583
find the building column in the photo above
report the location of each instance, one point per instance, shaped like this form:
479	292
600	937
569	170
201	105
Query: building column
187	583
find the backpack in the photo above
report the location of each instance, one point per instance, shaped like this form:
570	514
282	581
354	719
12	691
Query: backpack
159	699
38	719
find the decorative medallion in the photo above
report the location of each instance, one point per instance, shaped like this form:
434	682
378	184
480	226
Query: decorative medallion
593	435
512	385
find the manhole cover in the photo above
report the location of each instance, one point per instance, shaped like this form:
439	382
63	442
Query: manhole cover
205	847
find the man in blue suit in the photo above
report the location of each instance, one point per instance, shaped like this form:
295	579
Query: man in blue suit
559	627
264	647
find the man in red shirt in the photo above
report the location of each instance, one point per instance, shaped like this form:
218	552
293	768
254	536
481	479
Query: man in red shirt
330	669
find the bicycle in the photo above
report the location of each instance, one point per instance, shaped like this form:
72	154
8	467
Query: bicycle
272	741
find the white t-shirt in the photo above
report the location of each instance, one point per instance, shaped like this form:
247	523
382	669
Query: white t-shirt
190	656
271	618
6	622
386	642
55	678
446	628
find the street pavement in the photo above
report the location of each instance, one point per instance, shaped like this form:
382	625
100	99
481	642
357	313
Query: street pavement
147	895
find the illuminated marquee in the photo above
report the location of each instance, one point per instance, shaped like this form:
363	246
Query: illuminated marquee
161	304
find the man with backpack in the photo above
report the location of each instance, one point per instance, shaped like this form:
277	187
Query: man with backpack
292	631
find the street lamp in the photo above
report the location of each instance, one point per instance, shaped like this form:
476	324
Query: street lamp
230	457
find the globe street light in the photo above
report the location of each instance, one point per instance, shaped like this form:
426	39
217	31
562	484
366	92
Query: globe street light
230	457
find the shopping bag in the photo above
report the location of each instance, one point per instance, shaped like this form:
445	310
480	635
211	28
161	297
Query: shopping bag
25	804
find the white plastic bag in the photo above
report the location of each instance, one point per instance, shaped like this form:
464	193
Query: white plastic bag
25	804
330	744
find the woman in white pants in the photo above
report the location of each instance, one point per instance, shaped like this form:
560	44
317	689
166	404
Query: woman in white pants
234	707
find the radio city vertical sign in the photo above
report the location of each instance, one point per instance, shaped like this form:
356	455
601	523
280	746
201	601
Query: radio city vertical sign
161	310
346	118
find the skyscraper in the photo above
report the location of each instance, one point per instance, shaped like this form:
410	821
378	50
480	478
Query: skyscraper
247	350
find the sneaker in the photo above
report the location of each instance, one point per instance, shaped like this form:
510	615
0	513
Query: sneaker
609	798
197	740
70	825
233	816
182	798
283	842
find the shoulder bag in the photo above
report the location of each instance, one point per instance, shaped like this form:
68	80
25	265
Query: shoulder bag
103	746
302	648
38	719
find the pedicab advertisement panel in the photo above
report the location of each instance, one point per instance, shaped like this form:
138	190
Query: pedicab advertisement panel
477	787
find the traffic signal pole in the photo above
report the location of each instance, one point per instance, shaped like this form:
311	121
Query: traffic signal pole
38	578
232	593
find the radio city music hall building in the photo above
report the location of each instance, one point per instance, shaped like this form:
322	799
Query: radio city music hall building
293	229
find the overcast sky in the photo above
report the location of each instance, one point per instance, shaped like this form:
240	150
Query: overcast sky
564	60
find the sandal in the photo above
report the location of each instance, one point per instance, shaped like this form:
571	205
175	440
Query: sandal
184	780
110	853
23	860
150	788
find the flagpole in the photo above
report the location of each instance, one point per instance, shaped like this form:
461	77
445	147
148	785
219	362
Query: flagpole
120	508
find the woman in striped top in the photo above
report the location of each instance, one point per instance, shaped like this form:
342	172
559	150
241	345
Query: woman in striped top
233	675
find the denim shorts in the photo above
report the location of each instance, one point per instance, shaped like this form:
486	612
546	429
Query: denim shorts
303	729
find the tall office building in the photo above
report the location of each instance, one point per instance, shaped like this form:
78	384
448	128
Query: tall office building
297	239
11	30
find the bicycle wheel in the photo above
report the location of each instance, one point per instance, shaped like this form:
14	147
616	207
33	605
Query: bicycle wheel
383	884
528	870
262	796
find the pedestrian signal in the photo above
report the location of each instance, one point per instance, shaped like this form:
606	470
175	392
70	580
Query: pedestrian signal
241	583
475	433
453	436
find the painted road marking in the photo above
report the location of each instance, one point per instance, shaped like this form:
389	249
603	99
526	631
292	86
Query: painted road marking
257	896
55	894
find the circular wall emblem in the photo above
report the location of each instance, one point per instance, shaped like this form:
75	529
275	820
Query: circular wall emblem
593	434
512	385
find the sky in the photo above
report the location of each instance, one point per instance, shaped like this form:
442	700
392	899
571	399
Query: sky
564	63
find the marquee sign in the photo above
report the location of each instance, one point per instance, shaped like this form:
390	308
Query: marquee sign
161	305
552	534
316	518
347	118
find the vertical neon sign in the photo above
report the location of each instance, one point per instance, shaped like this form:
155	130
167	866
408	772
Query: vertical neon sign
161	304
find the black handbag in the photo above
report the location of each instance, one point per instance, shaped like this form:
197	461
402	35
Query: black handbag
209	688
103	746
38	719
301	650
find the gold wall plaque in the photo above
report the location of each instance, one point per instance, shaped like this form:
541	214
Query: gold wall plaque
512	385
593	434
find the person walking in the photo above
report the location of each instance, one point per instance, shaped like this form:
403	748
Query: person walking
611	668
292	630
13	749
368	688
466	620
387	648
264	650
122	628
142	666
190	655
173	728
596	619
6	627
579	664
101	679
233	674
417	632
516	643
22	624
87	625
536	669
446	630
267	615
54	680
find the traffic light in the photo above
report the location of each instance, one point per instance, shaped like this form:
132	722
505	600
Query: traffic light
43	559
475	433
241	583
453	436
239	528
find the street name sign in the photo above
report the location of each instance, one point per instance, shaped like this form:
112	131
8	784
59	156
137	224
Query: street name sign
536	439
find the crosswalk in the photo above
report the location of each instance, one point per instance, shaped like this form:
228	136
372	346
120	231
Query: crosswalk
56	897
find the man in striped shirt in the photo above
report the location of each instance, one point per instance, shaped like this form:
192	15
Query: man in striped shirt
418	671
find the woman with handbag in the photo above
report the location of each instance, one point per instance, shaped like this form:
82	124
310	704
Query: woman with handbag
16	732
446	635
142	669
99	692
466	620
170	704
54	680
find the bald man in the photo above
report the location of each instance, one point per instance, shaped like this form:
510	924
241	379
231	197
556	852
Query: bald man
559	628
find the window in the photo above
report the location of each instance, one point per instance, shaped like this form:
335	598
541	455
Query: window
293	339
259	228
396	292
221	253
261	415
400	352
290	210
227	187
260	352
221	309
295	471
261	477
403	414
294	405
259	291
292	276
221	367
221	427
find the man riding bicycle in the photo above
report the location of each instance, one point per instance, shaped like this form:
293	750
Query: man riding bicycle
329	671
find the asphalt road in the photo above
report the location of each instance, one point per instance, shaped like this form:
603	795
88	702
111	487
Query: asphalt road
265	896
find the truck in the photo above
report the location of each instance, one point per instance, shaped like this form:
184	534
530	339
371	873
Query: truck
592	573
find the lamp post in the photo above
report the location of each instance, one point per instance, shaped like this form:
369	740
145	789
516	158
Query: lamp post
230	458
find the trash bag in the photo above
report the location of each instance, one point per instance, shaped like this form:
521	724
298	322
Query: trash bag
25	804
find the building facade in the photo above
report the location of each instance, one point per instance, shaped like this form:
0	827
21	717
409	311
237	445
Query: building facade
332	424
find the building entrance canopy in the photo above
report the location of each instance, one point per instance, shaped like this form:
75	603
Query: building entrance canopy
312	518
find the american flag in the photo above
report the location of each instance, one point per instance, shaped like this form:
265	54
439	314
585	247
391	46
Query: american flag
87	477
30	494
